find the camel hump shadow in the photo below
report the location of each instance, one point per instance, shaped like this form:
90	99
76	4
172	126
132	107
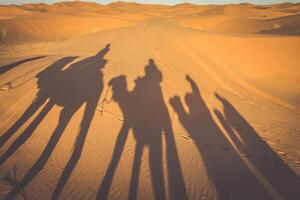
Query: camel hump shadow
80	79
146	113
70	88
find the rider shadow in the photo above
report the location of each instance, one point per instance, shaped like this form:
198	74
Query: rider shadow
79	84
279	176
228	173
145	112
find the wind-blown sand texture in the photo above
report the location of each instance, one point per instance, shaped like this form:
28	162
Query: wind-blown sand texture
133	101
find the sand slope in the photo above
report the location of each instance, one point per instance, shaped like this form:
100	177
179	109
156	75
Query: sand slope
132	101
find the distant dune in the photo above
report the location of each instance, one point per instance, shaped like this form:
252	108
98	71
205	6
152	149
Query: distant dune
68	19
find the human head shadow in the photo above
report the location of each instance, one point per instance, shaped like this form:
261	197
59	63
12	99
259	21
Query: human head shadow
145	112
228	173
8	67
80	84
268	164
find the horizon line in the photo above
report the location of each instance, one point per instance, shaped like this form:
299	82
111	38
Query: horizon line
132	2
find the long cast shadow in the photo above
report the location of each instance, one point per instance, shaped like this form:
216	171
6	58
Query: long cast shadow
228	173
122	97
148	123
281	177
46	86
8	67
81	83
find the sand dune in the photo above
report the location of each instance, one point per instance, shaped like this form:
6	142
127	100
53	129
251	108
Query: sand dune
18	23
133	101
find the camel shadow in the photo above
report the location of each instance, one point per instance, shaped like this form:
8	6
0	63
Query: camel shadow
145	112
80	84
228	173
46	87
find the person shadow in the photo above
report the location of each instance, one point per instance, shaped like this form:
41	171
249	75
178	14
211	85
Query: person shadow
282	179
148	123
81	83
229	175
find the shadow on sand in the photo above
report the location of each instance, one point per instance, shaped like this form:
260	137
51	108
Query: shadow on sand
46	85
268	164
148	123
8	67
146	114
81	83
230	174
227	171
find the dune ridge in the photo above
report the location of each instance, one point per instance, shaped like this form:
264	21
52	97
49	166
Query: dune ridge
18	25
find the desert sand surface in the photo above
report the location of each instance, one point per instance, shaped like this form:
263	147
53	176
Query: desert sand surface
133	101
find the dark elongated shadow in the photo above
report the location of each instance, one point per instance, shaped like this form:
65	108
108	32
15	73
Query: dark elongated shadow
46	86
230	176
148	123
89	87
123	97
280	176
27	133
8	67
80	84
65	117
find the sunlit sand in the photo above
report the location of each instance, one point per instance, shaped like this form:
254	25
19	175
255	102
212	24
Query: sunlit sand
133	101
